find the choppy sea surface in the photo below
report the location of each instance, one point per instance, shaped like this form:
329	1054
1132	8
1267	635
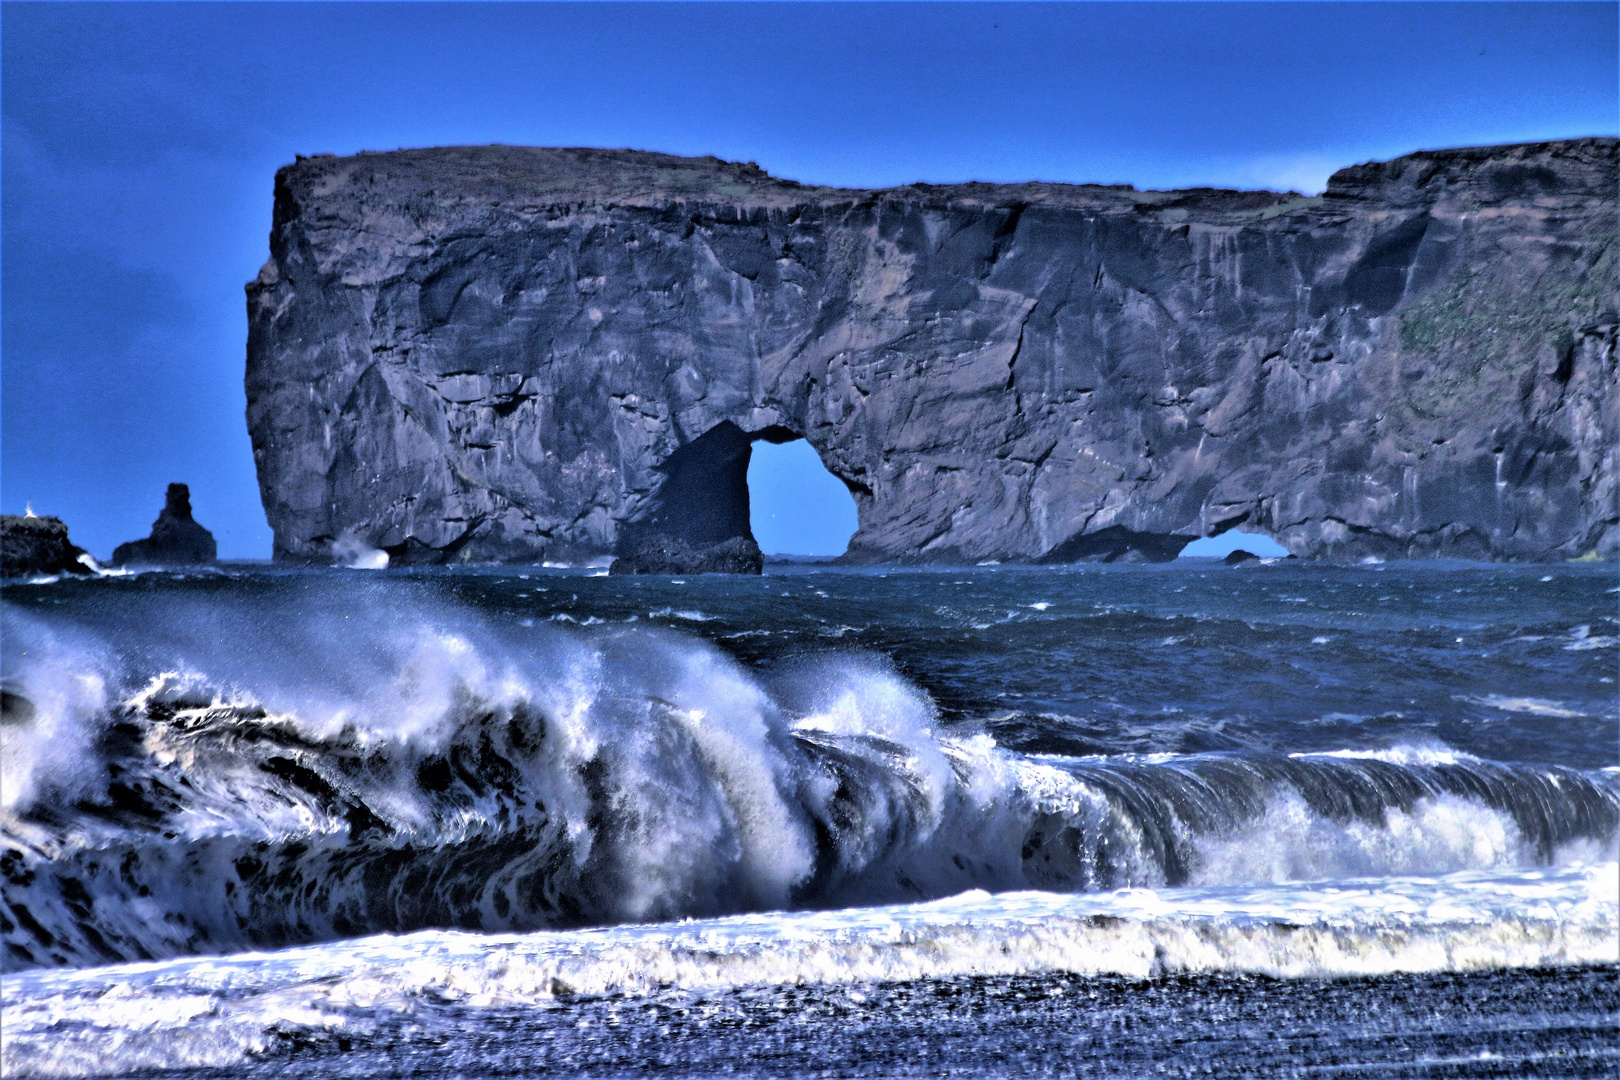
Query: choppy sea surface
1184	820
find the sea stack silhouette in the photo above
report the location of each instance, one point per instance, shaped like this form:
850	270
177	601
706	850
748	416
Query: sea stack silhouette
176	540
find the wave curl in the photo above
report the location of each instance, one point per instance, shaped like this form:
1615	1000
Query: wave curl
237	776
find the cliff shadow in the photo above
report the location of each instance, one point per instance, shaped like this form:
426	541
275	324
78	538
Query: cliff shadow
704	497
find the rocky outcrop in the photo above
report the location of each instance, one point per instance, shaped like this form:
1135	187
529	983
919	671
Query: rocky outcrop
176	540
499	353
698	524
31	546
670	555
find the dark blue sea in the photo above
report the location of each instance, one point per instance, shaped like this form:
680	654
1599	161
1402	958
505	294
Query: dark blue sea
1288	819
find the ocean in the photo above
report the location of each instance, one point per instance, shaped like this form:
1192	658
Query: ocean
1290	819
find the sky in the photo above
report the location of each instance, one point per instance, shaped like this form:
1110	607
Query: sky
139	144
795	506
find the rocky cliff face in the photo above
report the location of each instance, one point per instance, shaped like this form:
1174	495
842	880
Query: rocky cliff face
506	353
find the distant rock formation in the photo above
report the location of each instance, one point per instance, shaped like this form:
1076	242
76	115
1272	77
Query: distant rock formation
504	353
176	540
1239	557
666	555
31	546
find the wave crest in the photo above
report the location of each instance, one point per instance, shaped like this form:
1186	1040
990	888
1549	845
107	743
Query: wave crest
261	777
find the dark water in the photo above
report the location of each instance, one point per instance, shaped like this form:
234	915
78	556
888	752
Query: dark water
1179	659
1374	804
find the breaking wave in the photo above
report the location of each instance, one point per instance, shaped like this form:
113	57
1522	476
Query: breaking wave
304	769
193	1013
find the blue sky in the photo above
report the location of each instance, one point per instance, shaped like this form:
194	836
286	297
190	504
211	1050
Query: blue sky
139	143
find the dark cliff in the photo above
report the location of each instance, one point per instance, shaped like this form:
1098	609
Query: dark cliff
39	545
507	353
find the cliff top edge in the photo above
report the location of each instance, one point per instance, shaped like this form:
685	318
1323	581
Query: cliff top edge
538	175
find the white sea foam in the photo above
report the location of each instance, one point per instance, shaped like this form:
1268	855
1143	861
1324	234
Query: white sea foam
355	554
1583	640
1530	705
1288	842
62	676
619	773
1404	754
689	616
214	1011
96	572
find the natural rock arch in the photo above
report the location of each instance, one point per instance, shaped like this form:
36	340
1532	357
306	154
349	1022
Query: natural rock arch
797	508
699	518
501	353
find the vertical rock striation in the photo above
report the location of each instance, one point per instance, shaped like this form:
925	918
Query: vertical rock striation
502	353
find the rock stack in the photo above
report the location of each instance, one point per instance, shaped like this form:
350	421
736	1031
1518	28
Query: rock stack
176	540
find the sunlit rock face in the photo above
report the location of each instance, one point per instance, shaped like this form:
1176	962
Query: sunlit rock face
495	353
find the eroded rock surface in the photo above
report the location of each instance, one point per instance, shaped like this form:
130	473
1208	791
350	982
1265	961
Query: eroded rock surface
500	353
176	540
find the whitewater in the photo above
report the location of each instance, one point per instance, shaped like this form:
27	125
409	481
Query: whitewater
326	822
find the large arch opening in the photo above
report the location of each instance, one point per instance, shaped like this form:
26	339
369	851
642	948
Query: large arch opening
797	507
729	497
1222	545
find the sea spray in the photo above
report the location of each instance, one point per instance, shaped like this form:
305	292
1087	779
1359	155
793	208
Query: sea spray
218	1012
373	758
